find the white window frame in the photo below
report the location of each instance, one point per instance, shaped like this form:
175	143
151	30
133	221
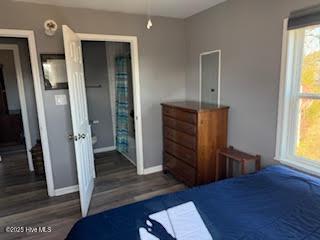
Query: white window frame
289	97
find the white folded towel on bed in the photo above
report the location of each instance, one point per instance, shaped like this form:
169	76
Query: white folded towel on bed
163	219
182	222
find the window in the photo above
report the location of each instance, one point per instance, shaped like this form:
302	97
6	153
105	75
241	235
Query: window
298	137
308	127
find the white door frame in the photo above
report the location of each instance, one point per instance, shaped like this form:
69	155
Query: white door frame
29	35
22	98
219	74
133	40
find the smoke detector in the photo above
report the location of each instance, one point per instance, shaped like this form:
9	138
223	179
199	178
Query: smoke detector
50	27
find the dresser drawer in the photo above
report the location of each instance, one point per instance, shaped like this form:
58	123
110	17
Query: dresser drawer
181	170
180	125
185	154
180	114
180	138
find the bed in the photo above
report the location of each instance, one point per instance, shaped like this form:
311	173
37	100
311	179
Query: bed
275	203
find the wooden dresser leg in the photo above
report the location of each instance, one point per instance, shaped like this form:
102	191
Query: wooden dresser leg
243	167
230	168
217	165
258	163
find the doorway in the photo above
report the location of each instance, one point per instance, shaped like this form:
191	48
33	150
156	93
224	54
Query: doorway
20	134
126	47
109	91
17	134
82	134
28	36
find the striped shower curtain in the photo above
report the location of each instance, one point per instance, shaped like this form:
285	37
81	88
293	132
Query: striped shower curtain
122	112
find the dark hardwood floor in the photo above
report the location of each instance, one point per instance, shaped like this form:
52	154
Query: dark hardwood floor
24	200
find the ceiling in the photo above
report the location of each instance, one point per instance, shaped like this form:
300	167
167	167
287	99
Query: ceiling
165	8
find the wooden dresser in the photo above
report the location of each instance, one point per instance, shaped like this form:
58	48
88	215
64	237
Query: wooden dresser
192	133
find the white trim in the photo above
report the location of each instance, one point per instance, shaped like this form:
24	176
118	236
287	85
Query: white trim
39	99
294	79
302	166
288	107
219	74
106	38
104	149
289	84
22	98
281	105
66	190
133	40
151	170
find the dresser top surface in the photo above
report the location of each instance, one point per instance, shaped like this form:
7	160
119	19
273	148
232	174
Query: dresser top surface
195	106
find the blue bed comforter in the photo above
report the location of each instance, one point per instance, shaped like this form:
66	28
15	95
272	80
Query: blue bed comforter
275	203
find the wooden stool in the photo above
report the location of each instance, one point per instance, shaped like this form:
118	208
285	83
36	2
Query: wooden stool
232	154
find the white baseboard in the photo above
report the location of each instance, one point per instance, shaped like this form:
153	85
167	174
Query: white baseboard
66	190
104	149
151	170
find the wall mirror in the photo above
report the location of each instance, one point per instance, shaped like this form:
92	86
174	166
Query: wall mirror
54	71
210	73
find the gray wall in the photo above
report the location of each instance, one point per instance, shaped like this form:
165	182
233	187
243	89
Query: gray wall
161	62
28	83
10	79
99	107
249	33
61	148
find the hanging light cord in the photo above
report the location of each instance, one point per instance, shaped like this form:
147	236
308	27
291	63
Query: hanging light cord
149	23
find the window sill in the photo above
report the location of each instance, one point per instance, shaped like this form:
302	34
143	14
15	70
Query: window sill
305	166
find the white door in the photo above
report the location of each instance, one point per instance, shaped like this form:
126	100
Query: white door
79	113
